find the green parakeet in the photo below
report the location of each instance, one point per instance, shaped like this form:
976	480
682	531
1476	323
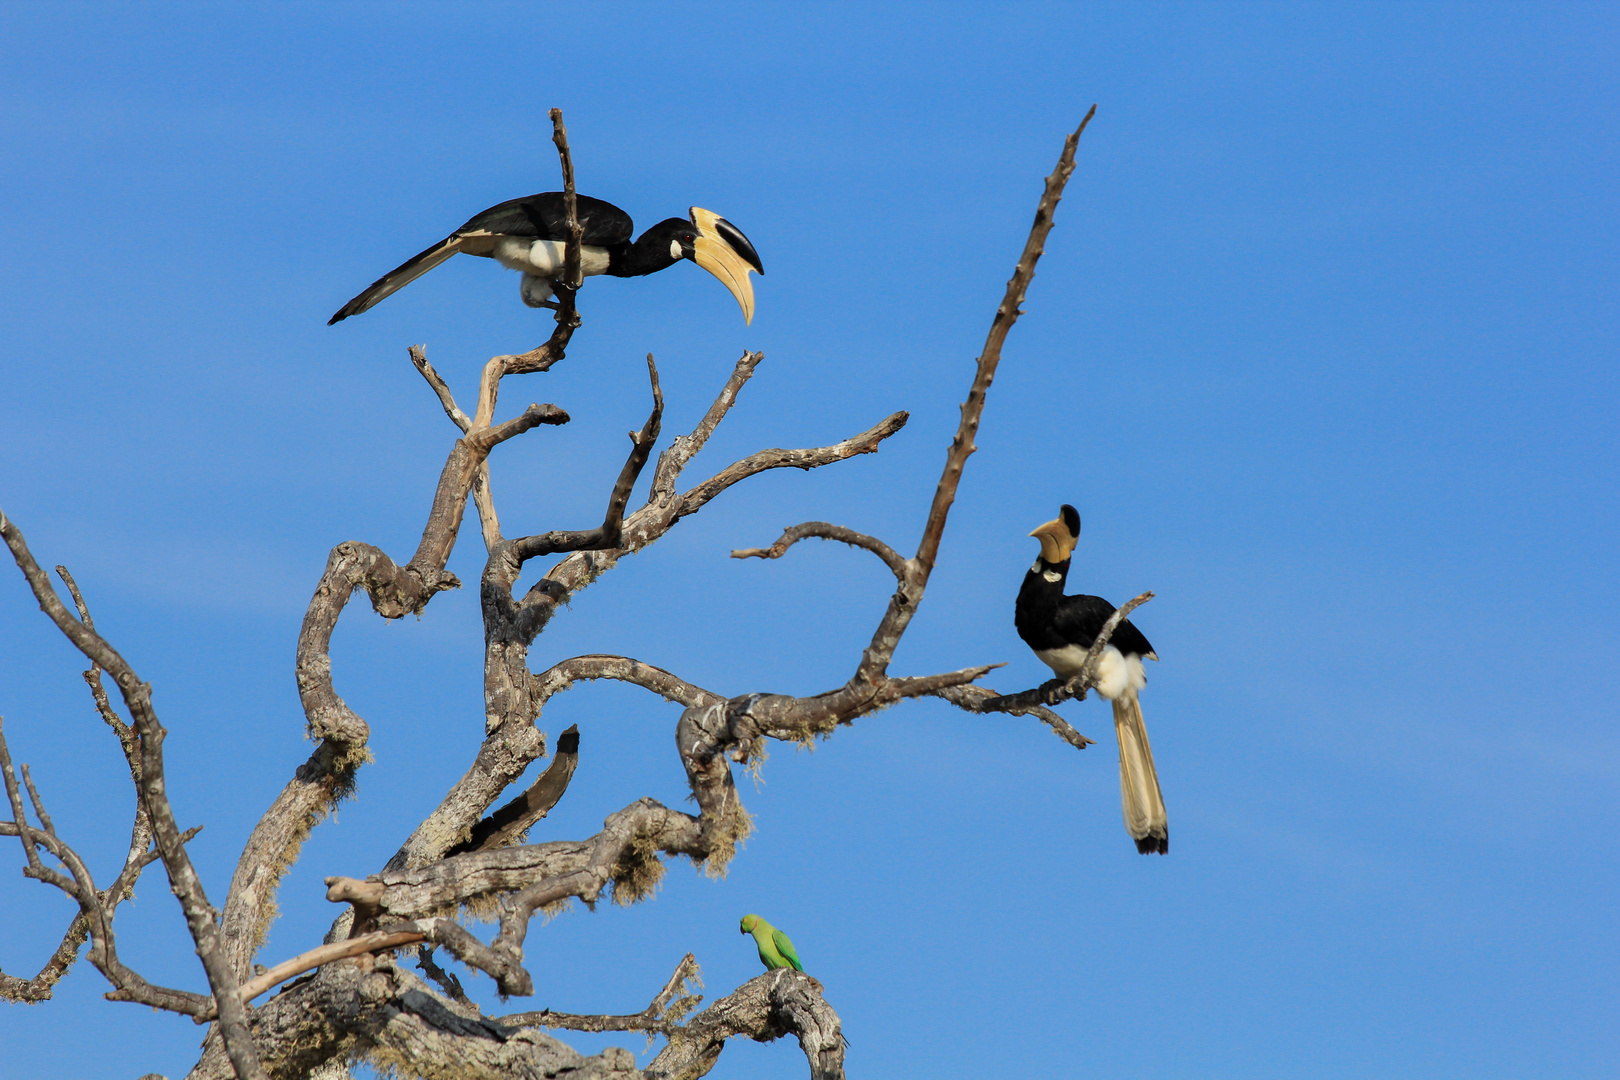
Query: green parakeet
775	950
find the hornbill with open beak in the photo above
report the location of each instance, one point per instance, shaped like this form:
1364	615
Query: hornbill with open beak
1061	629
530	235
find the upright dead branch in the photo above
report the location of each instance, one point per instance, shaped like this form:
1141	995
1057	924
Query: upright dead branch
871	687
573	274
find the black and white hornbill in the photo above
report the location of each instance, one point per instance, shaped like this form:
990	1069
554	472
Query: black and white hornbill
529	235
1061	629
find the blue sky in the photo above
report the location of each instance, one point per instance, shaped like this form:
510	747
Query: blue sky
1322	348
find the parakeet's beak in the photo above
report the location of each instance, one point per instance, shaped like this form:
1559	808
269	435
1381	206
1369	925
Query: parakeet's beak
1057	543
722	250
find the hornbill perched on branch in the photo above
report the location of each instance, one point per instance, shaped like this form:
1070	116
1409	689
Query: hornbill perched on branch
530	235
1061	629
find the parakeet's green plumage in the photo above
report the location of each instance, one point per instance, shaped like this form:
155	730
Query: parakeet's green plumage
775	950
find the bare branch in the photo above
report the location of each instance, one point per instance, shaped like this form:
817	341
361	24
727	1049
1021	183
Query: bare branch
1006	314
363	894
30	838
870	687
561	676
809	458
510	625
126	737
513	697
325	954
665	507
140	832
94	919
39	807
825	531
40	987
661	1015
508	825
686	447
484	499
446	399
486	439
183	879
612	527
573	274
977	699
317	785
501	759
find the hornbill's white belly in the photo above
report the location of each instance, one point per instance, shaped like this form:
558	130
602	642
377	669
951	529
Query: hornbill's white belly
1116	672
544	258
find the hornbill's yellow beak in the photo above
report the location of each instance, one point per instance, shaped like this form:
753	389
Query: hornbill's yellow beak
722	250
1057	542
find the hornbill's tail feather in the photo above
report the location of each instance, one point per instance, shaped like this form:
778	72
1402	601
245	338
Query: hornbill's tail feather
399	277
1138	780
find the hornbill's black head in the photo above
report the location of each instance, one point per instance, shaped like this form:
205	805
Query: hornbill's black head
708	240
1059	535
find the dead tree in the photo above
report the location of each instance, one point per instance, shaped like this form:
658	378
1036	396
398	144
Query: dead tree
354	997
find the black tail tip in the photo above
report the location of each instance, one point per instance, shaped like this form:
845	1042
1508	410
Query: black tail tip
334	320
1154	845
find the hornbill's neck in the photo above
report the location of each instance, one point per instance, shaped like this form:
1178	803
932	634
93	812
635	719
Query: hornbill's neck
1042	572
653	251
1043	585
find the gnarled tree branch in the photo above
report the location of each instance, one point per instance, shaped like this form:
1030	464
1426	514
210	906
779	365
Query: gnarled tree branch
767	1007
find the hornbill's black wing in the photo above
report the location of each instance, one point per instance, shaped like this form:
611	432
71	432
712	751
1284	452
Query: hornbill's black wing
1080	619
542	216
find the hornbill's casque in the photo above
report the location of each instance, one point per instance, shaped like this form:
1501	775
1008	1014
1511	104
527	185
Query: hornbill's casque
530	235
1061	629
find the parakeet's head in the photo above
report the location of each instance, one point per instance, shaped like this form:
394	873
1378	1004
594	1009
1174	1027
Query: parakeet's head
749	922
